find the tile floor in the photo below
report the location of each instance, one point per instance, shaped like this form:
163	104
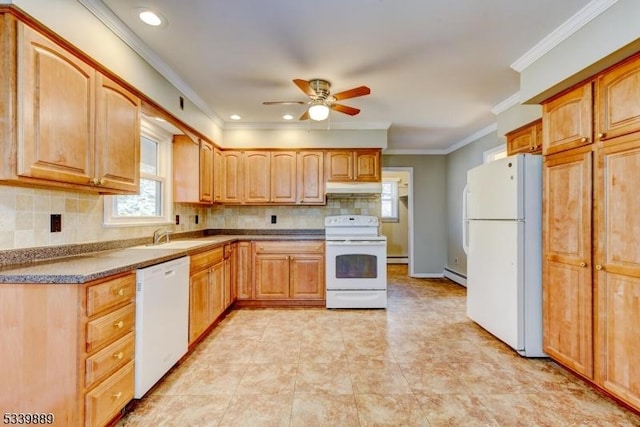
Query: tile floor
421	362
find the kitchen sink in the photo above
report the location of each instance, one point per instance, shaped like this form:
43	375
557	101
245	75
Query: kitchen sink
177	244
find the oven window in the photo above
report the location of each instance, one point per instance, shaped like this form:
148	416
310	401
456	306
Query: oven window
356	266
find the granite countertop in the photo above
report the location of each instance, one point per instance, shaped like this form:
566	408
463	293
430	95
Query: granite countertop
85	267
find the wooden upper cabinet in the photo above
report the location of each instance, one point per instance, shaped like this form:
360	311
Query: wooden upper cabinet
117	136
206	172
567	120
192	184
283	177
51	81
567	266
367	165
310	179
526	139
353	165
232	181
218	175
618	92
257	174
339	166
75	127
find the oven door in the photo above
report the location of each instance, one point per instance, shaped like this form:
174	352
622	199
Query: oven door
356	264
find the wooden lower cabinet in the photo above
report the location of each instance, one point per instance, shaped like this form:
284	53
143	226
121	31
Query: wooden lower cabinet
68	349
244	271
206	291
286	273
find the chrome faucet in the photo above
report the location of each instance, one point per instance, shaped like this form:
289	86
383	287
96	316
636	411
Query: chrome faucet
159	234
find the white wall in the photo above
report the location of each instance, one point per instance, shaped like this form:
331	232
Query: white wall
607	39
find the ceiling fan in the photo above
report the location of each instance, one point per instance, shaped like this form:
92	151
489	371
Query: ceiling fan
321	99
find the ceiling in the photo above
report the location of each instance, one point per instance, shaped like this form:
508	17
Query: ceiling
436	68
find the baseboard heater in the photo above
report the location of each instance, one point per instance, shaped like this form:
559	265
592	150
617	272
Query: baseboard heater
460	279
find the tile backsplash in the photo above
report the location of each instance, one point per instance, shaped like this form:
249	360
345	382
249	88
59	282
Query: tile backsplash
25	217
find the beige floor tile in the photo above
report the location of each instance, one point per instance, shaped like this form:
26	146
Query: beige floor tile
389	410
265	379
378	377
286	350
455	410
258	410
323	351
332	378
324	410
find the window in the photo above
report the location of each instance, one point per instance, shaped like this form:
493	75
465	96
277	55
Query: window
389	200
153	204
494	154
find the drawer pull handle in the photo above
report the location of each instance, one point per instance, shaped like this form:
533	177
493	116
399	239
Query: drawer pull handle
119	324
117	395
118	355
119	292
583	264
598	267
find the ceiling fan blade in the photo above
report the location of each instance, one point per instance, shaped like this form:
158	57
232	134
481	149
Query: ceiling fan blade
305	87
344	109
305	115
352	93
284	103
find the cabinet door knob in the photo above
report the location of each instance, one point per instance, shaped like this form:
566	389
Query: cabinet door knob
583	264
95	181
117	395
119	324
598	267
584	139
119	292
118	355
601	135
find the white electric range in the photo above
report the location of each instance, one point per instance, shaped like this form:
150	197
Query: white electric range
356	262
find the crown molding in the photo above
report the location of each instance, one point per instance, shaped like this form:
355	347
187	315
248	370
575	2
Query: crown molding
473	137
564	31
306	125
506	104
113	23
468	140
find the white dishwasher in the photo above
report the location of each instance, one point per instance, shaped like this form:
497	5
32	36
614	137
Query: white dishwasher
162	320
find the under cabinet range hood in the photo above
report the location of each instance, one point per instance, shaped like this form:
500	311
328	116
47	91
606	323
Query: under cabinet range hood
355	188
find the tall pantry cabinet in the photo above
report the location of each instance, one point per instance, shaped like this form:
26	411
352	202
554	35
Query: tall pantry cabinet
591	268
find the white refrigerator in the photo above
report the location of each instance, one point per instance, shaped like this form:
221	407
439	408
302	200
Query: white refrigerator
502	236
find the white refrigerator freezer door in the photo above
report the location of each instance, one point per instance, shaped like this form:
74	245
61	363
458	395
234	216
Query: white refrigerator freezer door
494	286
493	190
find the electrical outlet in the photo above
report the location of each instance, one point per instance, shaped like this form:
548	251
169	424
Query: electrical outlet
196	219
274	219
177	219
56	223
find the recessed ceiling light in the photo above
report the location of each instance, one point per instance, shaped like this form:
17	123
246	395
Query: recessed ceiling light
235	117
151	18
287	117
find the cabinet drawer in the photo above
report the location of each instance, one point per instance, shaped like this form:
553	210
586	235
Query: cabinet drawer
106	328
289	247
109	359
206	259
104	402
111	293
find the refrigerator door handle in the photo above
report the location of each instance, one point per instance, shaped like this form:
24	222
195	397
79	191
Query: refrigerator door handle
465	220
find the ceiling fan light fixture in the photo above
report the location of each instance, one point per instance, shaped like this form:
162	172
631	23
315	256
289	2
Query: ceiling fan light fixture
318	112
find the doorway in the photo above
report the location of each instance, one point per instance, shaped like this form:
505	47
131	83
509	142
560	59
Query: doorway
398	227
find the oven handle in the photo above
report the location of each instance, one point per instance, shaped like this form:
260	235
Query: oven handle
357	243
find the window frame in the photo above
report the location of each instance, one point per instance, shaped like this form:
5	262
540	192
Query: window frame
395	200
164	140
